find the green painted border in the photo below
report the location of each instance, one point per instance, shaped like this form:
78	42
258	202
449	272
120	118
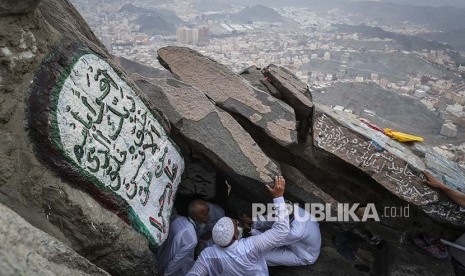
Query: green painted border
56	139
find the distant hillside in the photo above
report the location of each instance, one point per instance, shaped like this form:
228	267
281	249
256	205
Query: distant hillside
440	18
130	8
154	21
394	111
409	43
455	38
256	13
432	3
388	11
203	6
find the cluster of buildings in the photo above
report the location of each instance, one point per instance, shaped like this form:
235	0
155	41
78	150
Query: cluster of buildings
193	36
313	49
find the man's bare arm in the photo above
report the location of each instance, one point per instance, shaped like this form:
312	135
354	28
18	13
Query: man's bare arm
454	195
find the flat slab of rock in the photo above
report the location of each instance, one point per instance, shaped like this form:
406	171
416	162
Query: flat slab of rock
295	93
131	67
232	93
300	189
254	75
212	132
26	250
393	165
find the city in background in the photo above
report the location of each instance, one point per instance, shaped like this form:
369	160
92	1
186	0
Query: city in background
399	72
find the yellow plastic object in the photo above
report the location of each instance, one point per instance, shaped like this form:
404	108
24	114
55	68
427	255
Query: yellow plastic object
402	137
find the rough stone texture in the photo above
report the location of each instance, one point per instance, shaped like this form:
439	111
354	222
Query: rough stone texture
399	260
232	93
301	189
353	163
26	250
254	75
330	263
28	186
199	178
295	93
17	7
212	132
393	165
132	67
95	130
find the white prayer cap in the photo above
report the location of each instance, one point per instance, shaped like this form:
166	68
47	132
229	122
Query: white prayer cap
223	231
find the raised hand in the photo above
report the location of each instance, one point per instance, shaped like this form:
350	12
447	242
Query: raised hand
279	186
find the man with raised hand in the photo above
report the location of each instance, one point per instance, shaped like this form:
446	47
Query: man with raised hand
230	256
302	245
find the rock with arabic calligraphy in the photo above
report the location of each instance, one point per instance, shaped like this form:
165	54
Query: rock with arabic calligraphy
232	93
111	139
214	133
397	167
71	166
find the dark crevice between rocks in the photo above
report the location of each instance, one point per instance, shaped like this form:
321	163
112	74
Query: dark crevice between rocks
303	112
189	148
325	179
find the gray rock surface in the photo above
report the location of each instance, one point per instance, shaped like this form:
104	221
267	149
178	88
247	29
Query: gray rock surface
254	75
212	132
132	67
407	260
295	93
26	250
17	7
232	93
393	165
30	187
300	189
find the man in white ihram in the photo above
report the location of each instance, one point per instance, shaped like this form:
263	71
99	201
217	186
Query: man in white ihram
176	256
230	256
302	245
204	215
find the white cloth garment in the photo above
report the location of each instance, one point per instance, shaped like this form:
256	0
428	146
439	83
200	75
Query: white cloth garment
245	256
176	256
300	247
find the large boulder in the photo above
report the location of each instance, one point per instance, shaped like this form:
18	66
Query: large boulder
232	93
70	164
214	133
397	167
342	148
295	93
134	68
254	75
26	250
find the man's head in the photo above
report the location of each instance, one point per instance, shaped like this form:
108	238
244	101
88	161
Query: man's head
199	211
225	232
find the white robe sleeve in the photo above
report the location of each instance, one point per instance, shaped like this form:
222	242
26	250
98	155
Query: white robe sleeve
184	258
270	238
200	267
